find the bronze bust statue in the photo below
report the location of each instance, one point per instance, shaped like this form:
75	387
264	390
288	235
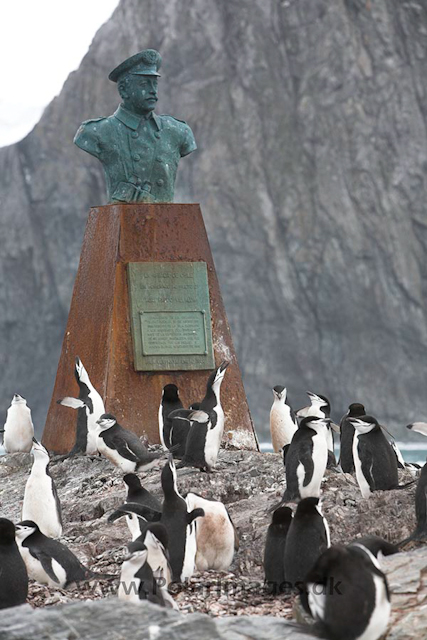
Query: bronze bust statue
138	149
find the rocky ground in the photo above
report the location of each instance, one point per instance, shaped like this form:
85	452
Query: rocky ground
249	483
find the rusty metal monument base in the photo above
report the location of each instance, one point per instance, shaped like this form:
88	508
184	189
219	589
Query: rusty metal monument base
99	331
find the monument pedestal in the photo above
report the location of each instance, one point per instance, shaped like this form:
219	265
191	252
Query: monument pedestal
99	324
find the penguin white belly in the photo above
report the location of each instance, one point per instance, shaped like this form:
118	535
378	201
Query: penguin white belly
18	430
189	563
40	505
213	440
129	585
320	459
127	466
91	445
381	613
132	522
159	565
316	600
329	439
161	424
282	428
36	572
361	480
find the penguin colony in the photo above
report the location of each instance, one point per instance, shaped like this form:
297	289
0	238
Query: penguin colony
173	538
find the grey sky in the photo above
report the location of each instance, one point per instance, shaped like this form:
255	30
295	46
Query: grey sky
41	43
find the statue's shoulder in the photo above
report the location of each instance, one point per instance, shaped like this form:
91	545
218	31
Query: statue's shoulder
186	136
91	134
95	124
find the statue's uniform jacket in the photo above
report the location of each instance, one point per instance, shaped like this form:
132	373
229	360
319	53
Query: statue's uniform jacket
140	155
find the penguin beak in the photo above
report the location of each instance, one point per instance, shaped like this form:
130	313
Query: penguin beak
223	365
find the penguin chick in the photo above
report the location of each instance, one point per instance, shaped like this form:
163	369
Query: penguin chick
321	407
13	573
308	537
306	459
216	537
122	447
355	410
50	562
347	594
18	428
374	459
274	551
283	422
90	407
170	402
41	502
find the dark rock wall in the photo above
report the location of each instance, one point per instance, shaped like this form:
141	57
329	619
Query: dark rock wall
310	117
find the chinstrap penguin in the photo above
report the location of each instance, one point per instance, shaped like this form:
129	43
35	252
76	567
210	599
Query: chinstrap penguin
170	402
308	537
374	459
283	421
18	429
41	501
306	459
49	561
13	573
347	594
207	425
90	407
355	410
122	447
321	407
274	550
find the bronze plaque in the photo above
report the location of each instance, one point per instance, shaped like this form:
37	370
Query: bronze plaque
170	316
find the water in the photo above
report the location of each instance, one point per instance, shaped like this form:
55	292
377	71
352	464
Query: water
411	451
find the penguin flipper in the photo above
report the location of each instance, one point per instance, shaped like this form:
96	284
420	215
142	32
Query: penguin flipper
46	562
367	464
196	513
142	511
124	450
73	403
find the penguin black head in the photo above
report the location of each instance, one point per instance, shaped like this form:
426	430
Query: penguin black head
137	546
355	409
168	478
106	421
39	451
80	372
132	481
171	393
279	392
26	528
308	507
317	399
7	531
282	515
364	424
217	376
195	406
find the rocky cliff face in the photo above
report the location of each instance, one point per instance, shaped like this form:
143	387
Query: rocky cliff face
310	118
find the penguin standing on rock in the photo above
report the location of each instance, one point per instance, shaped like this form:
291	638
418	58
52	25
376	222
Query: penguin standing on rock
283	421
207	425
170	402
122	447
274	551
50	562
355	410
216	537
18	428
90	407
347	594
374	459
13	573
180	525
321	407
41	502
306	459
308	537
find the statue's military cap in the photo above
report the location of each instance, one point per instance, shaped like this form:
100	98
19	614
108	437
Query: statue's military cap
144	63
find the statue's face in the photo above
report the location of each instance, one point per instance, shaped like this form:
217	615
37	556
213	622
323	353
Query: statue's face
140	95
